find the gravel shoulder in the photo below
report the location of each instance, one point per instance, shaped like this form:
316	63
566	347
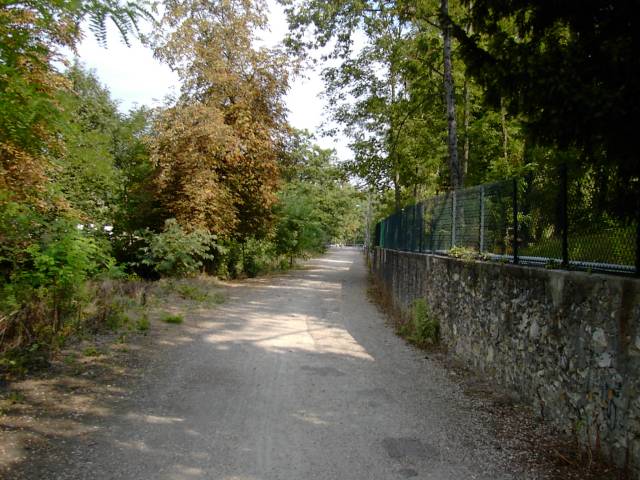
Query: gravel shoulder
296	376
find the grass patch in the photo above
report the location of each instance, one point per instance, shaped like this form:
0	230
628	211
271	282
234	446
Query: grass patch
191	292
70	359
91	352
173	319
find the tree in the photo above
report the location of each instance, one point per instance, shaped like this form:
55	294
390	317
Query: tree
217	148
317	204
32	36
385	82
572	72
85	173
457	173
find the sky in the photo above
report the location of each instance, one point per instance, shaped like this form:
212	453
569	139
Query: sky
134	77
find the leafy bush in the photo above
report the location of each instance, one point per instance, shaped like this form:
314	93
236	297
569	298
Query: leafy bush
44	265
176	252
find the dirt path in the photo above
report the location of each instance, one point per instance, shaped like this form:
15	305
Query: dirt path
295	377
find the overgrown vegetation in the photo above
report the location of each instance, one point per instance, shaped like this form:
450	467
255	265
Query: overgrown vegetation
92	199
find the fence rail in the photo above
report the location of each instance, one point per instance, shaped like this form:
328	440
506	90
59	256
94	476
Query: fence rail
547	220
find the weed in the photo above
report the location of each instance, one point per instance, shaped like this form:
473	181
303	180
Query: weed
91	352
467	254
217	298
70	359
15	397
19	361
143	324
423	329
191	292
175	319
117	319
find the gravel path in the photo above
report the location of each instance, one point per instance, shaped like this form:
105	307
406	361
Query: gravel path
295	377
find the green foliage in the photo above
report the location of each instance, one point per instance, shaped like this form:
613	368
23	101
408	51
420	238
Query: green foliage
191	292
32	38
45	260
15	396
143	324
91	351
423	329
571	73
317	205
258	256
610	245
466	254
19	361
176	252
173	319
117	319
86	175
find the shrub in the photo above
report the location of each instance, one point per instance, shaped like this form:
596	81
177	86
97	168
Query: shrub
176	252
44	263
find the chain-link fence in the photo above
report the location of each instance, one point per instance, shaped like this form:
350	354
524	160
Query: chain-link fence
546	219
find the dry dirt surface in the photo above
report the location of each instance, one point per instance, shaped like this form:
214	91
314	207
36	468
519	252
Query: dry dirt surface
294	377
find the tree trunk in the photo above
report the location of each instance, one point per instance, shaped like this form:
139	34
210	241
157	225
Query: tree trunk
394	152
396	187
457	176
467	115
505	132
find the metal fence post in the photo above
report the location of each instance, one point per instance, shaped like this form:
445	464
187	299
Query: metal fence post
453	220
421	226
431	235
515	220
413	229
564	215
482	219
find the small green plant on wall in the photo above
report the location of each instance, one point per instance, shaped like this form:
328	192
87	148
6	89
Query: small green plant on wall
423	328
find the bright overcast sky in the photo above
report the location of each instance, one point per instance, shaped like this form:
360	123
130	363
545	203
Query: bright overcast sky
134	77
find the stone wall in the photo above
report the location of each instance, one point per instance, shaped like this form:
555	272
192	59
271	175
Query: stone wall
568	343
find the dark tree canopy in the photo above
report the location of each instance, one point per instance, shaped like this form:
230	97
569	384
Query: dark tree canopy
571	70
